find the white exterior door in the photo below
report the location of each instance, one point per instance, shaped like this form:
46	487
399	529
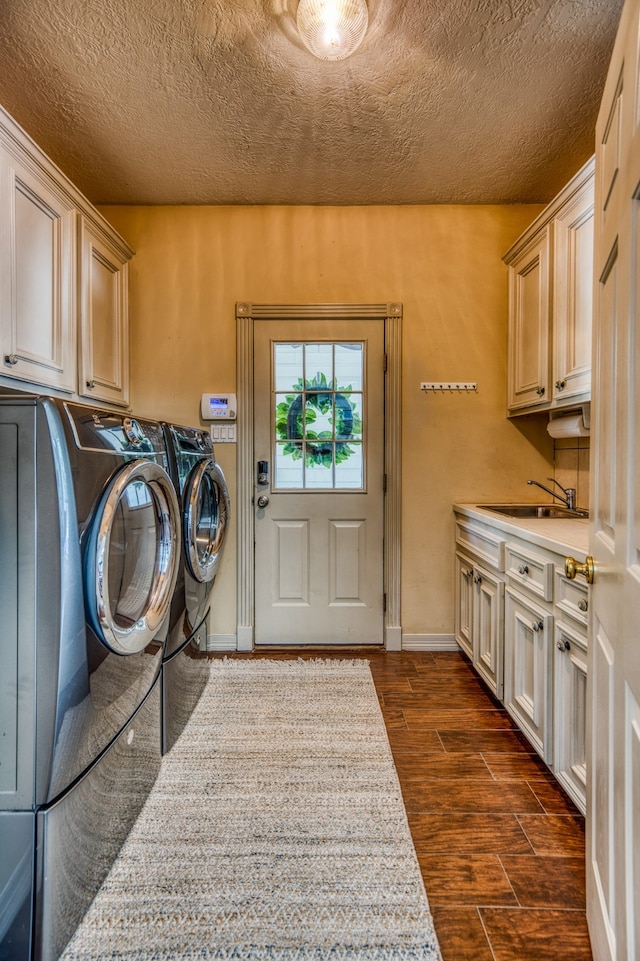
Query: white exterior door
319	511
613	758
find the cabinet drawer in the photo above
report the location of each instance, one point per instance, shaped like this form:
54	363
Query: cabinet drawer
482	542
572	599
530	571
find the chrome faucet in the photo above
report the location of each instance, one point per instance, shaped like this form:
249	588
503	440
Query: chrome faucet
569	499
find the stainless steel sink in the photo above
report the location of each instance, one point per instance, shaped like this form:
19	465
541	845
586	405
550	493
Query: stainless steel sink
534	510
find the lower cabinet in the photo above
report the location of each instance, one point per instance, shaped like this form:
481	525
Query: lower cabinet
523	626
464	605
479	620
528	687
570	712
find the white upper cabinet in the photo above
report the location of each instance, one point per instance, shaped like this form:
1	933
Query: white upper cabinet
550	303
104	316
573	296
37	274
63	281
529	323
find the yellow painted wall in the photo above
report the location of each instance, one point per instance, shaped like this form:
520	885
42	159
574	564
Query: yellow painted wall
443	263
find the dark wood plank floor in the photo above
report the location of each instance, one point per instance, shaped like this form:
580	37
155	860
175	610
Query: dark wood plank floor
500	845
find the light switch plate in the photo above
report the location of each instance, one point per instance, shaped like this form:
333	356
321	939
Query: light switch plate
223	433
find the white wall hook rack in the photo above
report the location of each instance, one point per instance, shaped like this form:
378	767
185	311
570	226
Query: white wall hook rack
451	386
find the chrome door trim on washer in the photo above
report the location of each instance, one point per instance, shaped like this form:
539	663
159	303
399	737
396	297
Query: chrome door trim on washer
134	638
203	564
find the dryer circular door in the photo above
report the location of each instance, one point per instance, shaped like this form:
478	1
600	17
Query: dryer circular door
206	513
133	557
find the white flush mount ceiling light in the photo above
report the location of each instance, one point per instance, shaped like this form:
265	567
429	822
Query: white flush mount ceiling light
332	29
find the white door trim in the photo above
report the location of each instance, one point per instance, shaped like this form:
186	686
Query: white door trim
247	315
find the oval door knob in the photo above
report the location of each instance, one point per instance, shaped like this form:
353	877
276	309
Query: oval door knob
572	568
263	500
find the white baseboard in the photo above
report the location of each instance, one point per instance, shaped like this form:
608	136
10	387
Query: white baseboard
429	642
221	642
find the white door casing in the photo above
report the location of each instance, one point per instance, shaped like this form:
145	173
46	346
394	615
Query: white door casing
318	418
249	317
613	735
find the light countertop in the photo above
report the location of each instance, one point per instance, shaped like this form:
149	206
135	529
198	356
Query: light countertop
563	535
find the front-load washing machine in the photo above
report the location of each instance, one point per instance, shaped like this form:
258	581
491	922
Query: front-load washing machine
204	499
89	555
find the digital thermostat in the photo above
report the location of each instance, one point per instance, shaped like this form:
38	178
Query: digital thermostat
218	407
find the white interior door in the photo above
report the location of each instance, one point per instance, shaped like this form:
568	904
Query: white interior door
319	512
613	759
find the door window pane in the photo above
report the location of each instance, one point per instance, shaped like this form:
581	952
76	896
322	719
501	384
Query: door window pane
348	366
288	365
289	472
318	361
318	416
349	471
318	475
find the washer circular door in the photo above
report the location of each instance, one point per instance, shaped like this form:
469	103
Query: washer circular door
133	557
206	513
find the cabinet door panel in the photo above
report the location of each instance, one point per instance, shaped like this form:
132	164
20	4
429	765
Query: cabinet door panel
488	629
464	604
104	369
570	713
527	683
37	252
573	298
529	318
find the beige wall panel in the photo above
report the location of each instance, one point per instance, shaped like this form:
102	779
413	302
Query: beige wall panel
444	263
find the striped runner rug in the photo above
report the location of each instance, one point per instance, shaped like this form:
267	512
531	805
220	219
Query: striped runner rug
275	830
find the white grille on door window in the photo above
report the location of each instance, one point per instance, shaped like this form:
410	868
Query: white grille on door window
318	416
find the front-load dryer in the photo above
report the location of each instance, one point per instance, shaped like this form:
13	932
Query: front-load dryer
89	555
202	491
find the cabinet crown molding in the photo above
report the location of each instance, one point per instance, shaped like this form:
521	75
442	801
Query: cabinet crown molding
550	212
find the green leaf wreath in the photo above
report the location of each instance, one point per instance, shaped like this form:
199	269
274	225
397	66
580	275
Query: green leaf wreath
300	410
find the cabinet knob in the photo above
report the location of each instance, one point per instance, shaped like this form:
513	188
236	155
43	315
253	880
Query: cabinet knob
539	391
572	568
563	645
560	385
583	606
537	626
91	384
477	579
468	574
523	569
11	359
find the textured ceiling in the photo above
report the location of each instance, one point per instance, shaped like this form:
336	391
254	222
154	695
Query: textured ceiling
219	102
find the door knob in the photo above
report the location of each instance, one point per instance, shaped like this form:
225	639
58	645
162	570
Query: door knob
572	567
262	501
